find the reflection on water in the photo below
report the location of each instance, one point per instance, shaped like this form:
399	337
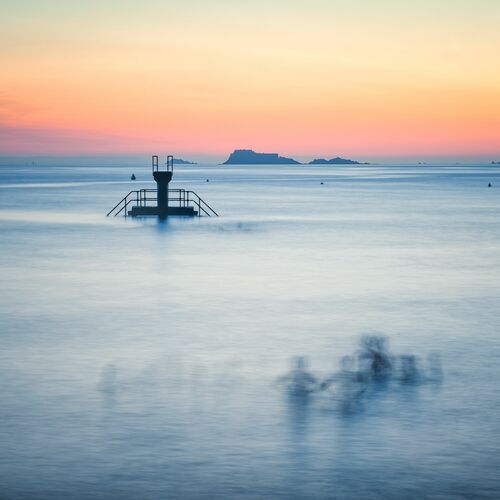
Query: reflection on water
148	360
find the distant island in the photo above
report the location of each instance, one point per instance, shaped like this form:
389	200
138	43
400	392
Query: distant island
249	157
336	161
180	161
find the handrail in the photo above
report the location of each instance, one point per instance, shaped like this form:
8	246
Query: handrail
206	204
119	203
184	198
156	167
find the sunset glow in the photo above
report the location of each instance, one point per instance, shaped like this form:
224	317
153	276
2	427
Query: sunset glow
202	77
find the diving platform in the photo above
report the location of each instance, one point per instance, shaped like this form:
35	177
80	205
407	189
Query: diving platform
162	201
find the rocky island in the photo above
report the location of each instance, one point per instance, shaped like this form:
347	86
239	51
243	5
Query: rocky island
249	157
336	161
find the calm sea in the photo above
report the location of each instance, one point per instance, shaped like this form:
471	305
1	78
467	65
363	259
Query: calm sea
142	359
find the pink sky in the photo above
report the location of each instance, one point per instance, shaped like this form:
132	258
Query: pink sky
314	79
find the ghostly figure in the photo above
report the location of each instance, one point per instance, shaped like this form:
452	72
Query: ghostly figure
348	384
375	362
409	373
435	371
299	381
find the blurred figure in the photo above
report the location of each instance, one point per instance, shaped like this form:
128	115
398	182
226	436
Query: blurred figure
375	362
408	370
348	385
348	373
434	369
299	381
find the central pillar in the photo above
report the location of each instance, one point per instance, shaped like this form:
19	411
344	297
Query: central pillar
162	179
162	190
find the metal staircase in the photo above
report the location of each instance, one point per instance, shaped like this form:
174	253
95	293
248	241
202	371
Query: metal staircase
177	198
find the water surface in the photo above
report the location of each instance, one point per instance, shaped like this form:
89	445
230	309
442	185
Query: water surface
139	359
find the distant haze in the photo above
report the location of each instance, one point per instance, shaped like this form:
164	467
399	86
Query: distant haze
381	80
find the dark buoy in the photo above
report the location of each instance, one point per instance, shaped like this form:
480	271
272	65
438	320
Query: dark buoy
132	178
489	184
208	180
321	183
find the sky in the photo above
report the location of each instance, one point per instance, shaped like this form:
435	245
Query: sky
365	79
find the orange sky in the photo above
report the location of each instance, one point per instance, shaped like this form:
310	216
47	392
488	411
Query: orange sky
319	78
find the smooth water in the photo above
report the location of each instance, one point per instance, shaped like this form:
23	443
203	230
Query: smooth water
141	359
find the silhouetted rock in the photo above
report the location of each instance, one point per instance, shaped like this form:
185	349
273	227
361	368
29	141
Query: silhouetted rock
335	161
249	157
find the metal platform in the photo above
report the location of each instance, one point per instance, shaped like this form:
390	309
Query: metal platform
162	201
144	202
179	211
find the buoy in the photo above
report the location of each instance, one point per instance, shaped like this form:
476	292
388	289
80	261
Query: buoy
132	178
208	180
489	184
321	183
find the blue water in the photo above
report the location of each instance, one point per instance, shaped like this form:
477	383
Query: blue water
140	359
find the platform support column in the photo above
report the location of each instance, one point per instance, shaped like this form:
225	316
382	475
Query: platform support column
162	195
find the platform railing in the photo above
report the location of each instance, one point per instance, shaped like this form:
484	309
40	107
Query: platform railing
169	165
176	197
